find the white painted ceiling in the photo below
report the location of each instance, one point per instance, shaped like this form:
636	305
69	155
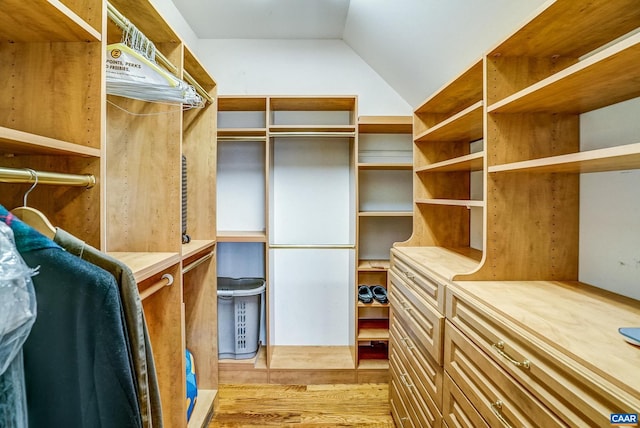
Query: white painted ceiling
416	46
265	19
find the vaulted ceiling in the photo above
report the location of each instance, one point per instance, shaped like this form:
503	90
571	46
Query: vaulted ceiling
416	46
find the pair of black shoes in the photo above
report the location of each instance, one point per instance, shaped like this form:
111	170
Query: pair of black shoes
369	293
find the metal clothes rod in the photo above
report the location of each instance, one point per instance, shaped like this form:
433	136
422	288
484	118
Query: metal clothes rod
24	175
199	89
313	134
241	138
197	263
314	246
165	281
120	20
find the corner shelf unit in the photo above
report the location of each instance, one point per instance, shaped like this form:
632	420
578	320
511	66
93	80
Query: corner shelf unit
385	163
449	165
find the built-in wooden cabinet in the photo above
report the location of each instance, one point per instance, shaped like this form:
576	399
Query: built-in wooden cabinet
124	158
524	342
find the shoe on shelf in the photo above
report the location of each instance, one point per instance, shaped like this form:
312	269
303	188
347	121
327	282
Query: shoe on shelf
379	293
364	294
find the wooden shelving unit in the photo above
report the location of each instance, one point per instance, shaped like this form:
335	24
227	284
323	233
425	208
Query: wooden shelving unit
133	211
502	310
384	171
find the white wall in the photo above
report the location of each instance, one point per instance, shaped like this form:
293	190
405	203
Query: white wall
610	204
298	67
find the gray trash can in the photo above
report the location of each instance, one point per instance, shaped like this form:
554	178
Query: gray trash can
240	303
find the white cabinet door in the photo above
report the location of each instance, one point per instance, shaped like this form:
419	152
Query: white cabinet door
312	297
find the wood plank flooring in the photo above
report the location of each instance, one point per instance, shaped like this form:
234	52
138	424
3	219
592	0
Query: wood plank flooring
363	405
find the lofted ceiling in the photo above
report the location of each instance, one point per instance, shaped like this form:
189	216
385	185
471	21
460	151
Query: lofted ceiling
265	19
416	46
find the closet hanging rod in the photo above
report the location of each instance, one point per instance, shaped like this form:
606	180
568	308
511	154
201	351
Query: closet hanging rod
120	20
241	138
199	89
165	281
197	263
24	175
336	134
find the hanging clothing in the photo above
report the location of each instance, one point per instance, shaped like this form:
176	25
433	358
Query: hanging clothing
17	315
76	364
138	336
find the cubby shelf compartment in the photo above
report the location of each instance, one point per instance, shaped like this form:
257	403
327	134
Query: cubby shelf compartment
604	78
465	125
618	158
14	141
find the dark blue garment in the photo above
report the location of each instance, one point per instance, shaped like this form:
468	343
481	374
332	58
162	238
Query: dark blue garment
77	368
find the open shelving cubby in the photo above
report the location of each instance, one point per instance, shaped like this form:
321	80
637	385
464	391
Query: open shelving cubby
384	198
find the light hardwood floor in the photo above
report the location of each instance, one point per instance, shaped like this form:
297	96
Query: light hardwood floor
363	405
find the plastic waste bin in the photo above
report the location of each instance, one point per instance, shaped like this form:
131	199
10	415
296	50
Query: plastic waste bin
240	302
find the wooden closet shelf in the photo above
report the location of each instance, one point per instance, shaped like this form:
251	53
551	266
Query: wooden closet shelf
379	166
197	246
618	158
248	134
19	142
373	265
368	334
385	124
145	265
312	357
462	92
45	20
548	34
242	236
607	77
471	162
203	409
442	261
465	125
385	213
453	202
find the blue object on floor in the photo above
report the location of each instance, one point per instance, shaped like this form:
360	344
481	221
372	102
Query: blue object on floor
192	386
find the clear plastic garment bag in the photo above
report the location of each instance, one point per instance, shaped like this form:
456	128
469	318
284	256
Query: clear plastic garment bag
17	315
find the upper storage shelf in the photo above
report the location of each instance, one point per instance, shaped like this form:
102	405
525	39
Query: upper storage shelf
458	101
604	78
547	45
49	21
329	116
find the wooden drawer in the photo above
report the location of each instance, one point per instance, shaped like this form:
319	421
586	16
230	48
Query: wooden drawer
499	399
416	277
422	368
575	392
421	320
422	412
398	406
457	411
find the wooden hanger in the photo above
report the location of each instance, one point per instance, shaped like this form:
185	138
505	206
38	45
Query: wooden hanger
32	216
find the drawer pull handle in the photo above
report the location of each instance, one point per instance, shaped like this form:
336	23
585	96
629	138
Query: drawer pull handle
499	347
407	343
409	275
496	408
403	378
